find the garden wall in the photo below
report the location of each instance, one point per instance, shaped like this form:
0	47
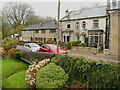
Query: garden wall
84	49
37	56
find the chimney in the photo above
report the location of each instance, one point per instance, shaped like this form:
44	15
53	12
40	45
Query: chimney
119	4
114	4
66	12
108	4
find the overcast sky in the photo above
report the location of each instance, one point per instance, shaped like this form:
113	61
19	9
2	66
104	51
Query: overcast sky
49	7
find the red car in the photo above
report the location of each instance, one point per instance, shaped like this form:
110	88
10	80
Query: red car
52	48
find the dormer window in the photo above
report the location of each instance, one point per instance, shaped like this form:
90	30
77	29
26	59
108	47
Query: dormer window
84	25
68	25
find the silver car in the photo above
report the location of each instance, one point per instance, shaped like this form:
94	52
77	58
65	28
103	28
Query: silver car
32	46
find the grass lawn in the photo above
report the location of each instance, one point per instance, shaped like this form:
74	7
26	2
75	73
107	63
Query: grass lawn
15	81
12	66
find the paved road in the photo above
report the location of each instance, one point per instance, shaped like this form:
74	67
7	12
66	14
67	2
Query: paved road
95	57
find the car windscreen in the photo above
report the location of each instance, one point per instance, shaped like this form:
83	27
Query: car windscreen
34	45
53	47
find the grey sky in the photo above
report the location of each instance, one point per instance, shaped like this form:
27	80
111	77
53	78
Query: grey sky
49	7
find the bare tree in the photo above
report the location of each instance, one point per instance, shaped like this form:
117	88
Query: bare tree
17	13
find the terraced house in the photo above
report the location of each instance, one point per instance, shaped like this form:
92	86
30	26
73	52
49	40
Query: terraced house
40	32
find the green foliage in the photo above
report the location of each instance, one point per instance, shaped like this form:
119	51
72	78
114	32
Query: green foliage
51	76
50	41
17	55
69	45
9	43
15	81
12	66
75	43
82	44
94	74
19	28
86	40
72	43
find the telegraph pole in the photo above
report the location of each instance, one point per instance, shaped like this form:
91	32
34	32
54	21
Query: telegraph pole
58	27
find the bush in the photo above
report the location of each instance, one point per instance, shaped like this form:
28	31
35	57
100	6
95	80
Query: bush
75	43
15	81
11	53
72	43
17	55
9	43
69	45
93	74
83	45
12	66
51	76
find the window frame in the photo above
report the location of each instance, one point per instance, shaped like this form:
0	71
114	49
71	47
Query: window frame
36	31
96	23
68	27
42	31
84	25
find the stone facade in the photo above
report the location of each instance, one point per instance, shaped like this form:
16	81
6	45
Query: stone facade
39	36
40	32
115	32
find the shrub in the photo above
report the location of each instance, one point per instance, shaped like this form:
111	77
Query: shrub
15	81
32	70
11	53
75	43
93	74
17	55
51	76
69	45
9	43
83	44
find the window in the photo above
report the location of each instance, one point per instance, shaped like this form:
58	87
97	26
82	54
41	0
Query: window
52	31
95	23
36	31
68	26
42	31
77	25
93	38
83	24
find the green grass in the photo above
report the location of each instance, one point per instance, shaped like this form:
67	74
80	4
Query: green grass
12	66
15	81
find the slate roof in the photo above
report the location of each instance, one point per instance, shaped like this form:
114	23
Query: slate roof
41	26
87	13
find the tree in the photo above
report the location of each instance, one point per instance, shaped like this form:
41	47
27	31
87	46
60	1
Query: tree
17	13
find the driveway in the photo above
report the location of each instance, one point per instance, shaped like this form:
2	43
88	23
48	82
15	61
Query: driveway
100	57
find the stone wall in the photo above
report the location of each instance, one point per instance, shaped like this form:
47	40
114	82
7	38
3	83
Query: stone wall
84	49
114	32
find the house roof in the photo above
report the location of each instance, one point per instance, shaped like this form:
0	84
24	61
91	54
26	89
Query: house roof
86	13
45	26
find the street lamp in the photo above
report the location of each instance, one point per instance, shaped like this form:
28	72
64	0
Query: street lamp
58	28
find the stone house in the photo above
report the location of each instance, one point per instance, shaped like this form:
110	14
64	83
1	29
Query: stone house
85	23
113	31
40	32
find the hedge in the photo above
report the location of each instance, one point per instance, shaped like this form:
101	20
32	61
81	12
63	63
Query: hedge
94	74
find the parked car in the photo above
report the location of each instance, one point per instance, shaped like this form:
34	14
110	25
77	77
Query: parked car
52	48
32	46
